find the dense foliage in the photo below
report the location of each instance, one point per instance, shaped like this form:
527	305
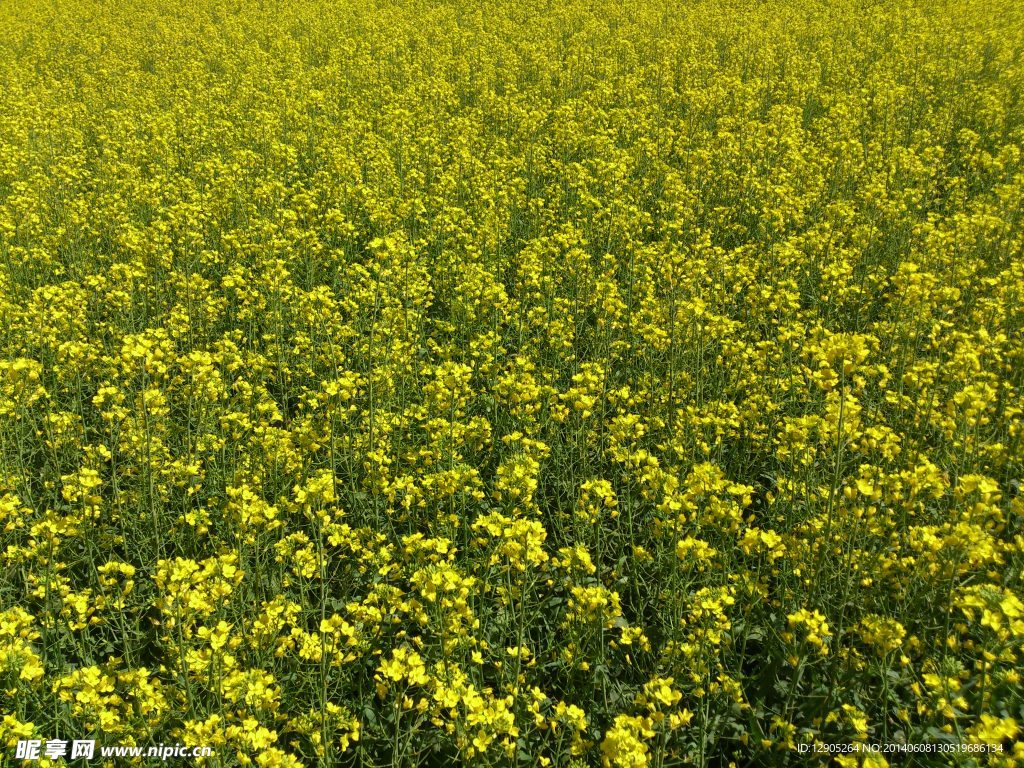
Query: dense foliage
512	382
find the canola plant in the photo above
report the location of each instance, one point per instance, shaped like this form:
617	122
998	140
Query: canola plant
513	382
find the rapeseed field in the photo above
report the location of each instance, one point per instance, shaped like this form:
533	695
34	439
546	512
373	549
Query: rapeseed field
512	382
